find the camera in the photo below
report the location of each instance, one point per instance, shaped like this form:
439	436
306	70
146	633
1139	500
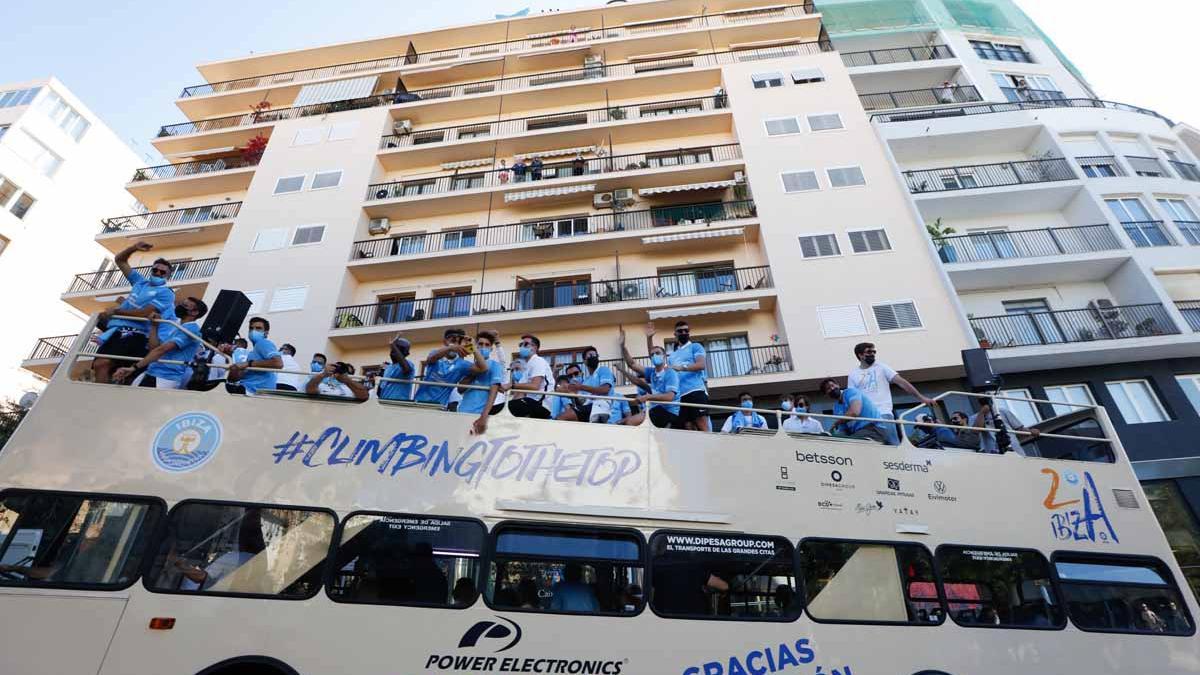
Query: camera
342	368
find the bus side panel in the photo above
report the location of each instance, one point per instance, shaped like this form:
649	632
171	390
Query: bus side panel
56	634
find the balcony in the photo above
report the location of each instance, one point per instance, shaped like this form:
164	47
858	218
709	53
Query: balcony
1190	309
918	98
192	179
565	237
1148	233
1025	95
95	290
1147	167
727	363
1112	322
49	351
177	227
1002	174
1185	170
1008	245
994	108
555	304
887	57
1190	229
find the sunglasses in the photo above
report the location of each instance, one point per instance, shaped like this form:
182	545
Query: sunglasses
159	272
525	344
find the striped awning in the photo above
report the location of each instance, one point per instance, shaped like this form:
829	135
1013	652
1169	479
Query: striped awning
584	150
467	163
548	192
712	185
703	234
698	310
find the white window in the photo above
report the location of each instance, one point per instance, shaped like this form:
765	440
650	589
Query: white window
1191	387
782	126
34	151
289	184
256	299
800	181
825	122
1025	411
308	234
271	239
841	321
343	132
869	241
848	176
62	114
1078	394
288	298
309	136
897	316
807	76
819	246
1136	401
767	80
16	97
326	179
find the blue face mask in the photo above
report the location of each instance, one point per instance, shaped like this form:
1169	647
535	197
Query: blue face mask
485	352
525	352
786	405
256	335
157	281
317	366
747	404
518	375
656	359
801	409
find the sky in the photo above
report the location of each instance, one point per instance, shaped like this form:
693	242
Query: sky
129	60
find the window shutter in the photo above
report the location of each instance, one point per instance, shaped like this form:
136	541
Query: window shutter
288	298
807	75
846	177
819	245
342	132
842	321
326	179
786	125
869	240
309	234
256	300
897	316
269	240
289	184
800	181
309	136
825	122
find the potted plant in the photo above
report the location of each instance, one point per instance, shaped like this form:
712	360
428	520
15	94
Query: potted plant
984	342
617	113
938	233
254	149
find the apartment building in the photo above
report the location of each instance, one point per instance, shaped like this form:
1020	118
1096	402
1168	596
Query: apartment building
61	171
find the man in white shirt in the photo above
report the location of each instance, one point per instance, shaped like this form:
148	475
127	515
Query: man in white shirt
334	379
538	378
875	379
747	418
797	422
295	380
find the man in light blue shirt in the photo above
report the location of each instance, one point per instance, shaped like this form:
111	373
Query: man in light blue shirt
401	368
691	362
480	401
445	367
127	337
598	381
661	383
619	413
745	419
169	343
853	403
560	403
263	354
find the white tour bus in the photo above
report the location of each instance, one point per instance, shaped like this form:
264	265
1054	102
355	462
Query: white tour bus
159	532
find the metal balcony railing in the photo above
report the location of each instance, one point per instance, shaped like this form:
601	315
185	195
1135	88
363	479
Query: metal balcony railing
992	108
881	57
185	270
195	215
1100	166
1191	312
1190	229
1110	322
1017	94
551	228
1185	170
722	363
600	165
57	347
1148	233
499	85
556	294
1040	243
555	39
1148	167
917	98
575	118
191	168
989	175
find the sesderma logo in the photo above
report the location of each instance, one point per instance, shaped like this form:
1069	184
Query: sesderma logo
491	630
905	466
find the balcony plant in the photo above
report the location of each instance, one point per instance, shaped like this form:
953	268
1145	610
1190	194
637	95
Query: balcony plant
254	149
938	233
617	113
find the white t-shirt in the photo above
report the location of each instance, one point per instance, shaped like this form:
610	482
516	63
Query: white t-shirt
297	381
536	366
215	373
807	425
875	383
331	387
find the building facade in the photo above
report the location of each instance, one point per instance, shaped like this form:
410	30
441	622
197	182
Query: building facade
61	170
783	177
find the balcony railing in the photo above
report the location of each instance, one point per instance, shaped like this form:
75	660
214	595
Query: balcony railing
1074	325
1017	95
1185	170
556	295
1006	245
490	50
1100	166
722	363
551	228
575	118
601	165
992	108
989	175
499	85
192	168
881	57
1148	233
1190	229
57	347
195	215
186	270
918	98
1191	312
1147	166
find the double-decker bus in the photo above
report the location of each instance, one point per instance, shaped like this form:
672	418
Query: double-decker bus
156	532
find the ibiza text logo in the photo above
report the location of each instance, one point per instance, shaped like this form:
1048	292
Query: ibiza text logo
186	442
1078	512
492	631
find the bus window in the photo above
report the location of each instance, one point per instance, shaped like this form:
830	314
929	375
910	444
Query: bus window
576	570
74	541
408	560
1121	595
720	575
869	582
991	587
268	551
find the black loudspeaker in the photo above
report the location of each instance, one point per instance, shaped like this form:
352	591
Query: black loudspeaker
225	317
979	370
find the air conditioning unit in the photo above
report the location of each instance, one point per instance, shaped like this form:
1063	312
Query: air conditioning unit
632	290
402	127
604	200
1104	308
379	226
739	177
623	197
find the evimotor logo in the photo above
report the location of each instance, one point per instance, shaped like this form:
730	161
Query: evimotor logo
818	458
905	466
502	635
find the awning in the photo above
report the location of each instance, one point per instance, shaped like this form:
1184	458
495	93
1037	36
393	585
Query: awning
584	150
698	310
548	192
468	163
691	187
636	58
703	234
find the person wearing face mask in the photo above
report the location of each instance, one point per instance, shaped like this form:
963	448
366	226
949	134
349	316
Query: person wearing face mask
747	418
334	379
401	368
445	367
598	380
262	354
294	380
851	402
875	379
558	404
797	422
129	337
480	401
660	385
536	380
690	361
516	374
172	343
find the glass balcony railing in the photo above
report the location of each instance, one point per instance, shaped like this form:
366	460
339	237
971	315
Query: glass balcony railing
1040	243
195	215
112	279
1103	322
989	175
916	98
884	57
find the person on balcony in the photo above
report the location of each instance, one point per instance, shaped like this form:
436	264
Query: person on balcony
519	169
502	172
401	368
875	379
334	379
480	401
690	362
129	337
851	402
746	419
264	354
535	168
945	93
534	382
598	381
797	422
446	366
172	349
658	383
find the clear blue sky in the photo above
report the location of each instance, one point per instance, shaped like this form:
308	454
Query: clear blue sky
128	60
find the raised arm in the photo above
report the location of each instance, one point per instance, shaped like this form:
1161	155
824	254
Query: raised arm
627	357
122	258
904	384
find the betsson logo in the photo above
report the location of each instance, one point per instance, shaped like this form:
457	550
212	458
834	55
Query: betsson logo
500	636
818	458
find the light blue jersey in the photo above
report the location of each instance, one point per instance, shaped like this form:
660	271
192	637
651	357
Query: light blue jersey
449	371
398	391
142	295
661	383
185	348
686	356
849	396
253	380
473	400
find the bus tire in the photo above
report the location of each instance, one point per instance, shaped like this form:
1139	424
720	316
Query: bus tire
249	665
